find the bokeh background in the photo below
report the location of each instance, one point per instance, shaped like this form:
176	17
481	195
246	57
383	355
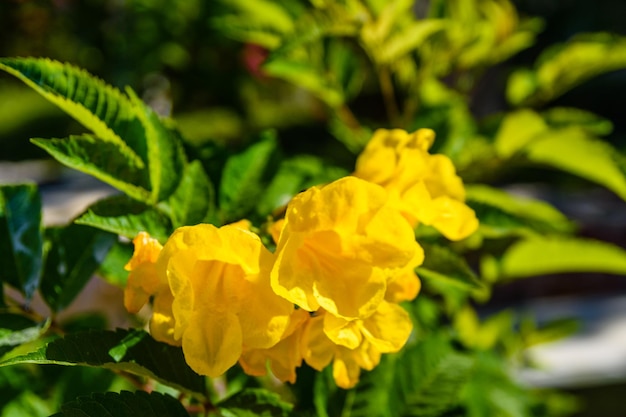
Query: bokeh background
175	58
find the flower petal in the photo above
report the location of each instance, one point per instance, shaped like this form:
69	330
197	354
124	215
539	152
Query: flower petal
213	342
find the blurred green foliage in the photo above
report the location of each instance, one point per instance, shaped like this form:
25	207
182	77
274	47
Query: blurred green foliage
269	98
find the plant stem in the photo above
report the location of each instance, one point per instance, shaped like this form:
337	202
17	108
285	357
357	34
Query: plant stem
389	98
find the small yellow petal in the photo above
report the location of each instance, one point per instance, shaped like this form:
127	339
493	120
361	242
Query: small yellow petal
389	328
343	332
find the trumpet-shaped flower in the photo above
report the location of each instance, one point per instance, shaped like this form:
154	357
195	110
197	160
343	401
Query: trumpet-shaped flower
144	281
354	345
222	299
284	357
339	246
423	187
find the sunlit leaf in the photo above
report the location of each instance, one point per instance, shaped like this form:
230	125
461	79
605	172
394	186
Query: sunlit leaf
166	159
502	214
16	329
517	130
21	237
126	217
103	160
565	66
560	117
100	108
539	256
145	357
305	75
574	151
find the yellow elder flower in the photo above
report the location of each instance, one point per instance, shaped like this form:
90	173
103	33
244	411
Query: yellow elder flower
144	281
423	187
339	246
354	345
284	357
222	299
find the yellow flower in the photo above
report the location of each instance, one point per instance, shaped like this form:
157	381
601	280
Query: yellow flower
144	281
354	345
284	357
423	187
222	299
340	245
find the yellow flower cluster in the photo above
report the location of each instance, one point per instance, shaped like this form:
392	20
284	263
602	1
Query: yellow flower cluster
345	257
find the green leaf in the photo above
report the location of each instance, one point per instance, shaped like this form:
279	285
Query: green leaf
539	256
492	392
565	66
21	237
243	178
146	357
112	267
294	175
442	264
99	107
574	151
424	380
16	329
560	117
130	148
193	201
254	402
166	159
103	160
517	130
408	39
502	214
307	76
126	217
124	404
75	254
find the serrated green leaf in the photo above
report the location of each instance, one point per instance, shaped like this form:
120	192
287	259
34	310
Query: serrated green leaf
100	108
254	402
16	329
124	404
166	159
423	380
443	264
243	178
75	254
491	391
574	151
540	256
103	160
193	201
21	237
126	217
130	148
147	357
